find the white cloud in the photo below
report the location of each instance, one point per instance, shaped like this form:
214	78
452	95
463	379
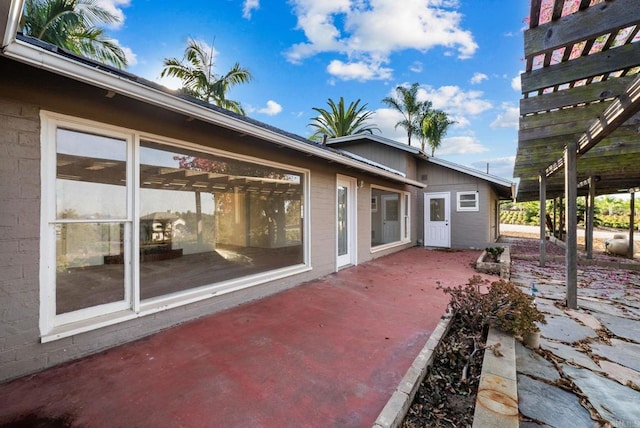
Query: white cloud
272	108
516	84
248	7
478	78
509	117
385	119
169	82
460	145
114	7
416	67
368	31
455	101
500	167
358	71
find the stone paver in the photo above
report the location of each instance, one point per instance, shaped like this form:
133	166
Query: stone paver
616	403
585	318
621	327
604	374
534	402
565	329
569	354
530	363
548	306
621	352
622	374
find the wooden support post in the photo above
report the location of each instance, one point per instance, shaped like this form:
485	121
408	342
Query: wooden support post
571	222
543	218
590	217
632	218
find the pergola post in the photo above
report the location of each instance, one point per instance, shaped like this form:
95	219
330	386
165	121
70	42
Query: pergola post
632	218
543	218
591	200
571	222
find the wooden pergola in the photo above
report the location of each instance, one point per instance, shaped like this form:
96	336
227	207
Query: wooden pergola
579	122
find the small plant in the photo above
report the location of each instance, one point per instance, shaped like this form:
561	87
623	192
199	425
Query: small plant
494	252
504	306
511	310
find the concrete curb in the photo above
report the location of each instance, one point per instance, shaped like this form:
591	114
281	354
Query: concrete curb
502	267
396	408
497	399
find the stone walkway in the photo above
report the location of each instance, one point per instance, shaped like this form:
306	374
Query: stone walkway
587	370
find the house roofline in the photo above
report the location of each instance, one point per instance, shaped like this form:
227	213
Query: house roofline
498	181
378	139
471	171
50	58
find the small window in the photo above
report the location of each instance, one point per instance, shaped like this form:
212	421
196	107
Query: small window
468	201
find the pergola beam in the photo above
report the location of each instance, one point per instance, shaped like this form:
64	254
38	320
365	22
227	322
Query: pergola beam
625	106
575	28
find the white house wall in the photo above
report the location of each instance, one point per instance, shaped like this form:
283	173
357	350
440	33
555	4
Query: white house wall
469	229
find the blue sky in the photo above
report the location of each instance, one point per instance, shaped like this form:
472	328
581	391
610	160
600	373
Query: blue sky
465	54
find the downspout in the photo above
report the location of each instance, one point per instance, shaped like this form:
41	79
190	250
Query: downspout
12	11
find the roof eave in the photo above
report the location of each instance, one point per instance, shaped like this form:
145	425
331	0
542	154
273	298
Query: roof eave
50	61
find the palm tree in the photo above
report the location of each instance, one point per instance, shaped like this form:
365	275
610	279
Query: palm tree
338	121
198	79
434	128
73	25
413	111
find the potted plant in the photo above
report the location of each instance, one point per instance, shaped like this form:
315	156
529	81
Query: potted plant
505	306
514	312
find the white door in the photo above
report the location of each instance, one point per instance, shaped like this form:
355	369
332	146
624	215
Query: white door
437	229
346	221
390	218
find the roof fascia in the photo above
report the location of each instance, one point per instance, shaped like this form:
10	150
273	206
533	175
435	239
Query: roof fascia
50	61
377	139
470	171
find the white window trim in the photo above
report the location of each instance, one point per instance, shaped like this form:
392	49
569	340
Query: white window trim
54	327
475	193
403	233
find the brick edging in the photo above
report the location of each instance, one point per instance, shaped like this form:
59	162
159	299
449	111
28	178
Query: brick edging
396	408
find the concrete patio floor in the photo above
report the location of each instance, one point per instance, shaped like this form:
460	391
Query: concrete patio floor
327	353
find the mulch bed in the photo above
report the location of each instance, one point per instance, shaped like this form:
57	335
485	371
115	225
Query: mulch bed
447	396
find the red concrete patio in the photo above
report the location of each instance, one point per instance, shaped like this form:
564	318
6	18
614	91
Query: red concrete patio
327	353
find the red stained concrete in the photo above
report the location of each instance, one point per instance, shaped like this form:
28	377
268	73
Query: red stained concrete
327	353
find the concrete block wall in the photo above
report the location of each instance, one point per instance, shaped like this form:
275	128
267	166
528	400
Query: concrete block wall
19	237
21	351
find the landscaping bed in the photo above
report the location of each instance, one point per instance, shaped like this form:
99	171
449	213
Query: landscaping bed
447	396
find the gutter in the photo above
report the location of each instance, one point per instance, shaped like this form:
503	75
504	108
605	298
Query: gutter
53	62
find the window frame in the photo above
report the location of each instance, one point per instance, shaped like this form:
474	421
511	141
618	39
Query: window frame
56	326
404	218
476	201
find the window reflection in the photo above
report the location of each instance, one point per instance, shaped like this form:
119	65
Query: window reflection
90	176
206	219
385	222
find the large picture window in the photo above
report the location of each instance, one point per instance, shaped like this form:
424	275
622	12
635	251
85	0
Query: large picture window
191	221
390	221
